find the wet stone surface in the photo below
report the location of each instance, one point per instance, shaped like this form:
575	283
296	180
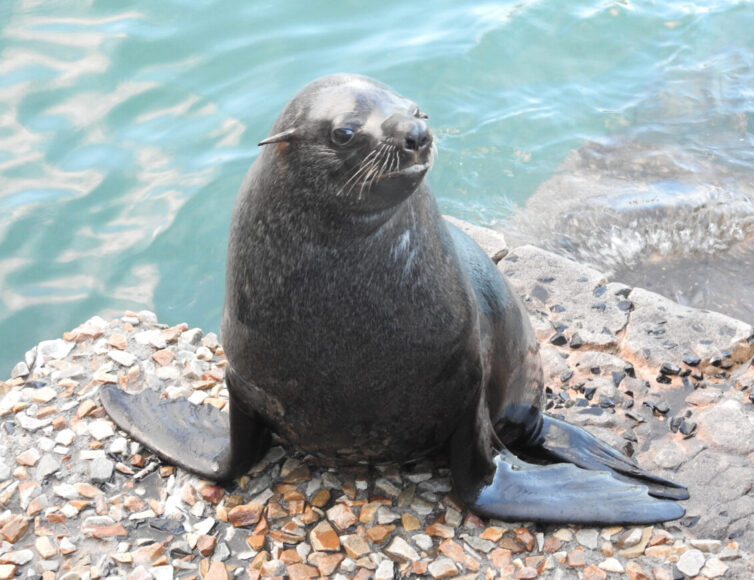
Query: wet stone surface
78	499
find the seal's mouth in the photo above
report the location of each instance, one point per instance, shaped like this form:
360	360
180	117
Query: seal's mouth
411	170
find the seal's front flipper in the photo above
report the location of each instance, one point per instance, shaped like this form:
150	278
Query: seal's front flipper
561	441
198	438
498	484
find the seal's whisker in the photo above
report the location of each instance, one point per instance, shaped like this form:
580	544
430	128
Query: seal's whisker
366	182
366	174
385	167
378	171
373	172
396	162
362	167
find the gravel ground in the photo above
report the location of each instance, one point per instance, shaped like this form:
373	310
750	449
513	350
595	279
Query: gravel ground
668	385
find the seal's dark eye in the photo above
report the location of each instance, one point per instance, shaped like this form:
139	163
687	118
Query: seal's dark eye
342	135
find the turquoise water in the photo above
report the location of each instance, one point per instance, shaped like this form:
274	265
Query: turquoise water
126	127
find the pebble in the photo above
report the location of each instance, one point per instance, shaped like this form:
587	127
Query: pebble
101	469
44	547
18	557
65	437
101	429
588	537
634	550
576	558
341	516
217	571
629	538
354	545
122	357
44	395
714	568
324	538
47	466
29	457
14	528
423	541
52	350
118	446
21	369
691	562
706	545
401	550
612	565
66	491
564	535
245	515
385	571
443	568
203	353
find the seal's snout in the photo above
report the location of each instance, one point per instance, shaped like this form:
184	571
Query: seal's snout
409	133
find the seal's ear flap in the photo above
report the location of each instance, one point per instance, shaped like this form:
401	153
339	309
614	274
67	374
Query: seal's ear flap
283	136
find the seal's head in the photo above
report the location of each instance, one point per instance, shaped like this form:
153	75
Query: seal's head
354	142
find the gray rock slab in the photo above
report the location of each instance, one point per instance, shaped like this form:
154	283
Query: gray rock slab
575	299
661	330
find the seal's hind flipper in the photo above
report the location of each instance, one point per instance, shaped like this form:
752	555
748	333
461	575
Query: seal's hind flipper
494	482
198	438
561	441
563	493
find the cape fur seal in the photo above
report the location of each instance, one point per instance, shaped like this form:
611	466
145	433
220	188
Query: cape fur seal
359	325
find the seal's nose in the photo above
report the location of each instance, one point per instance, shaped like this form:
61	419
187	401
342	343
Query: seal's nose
417	136
409	133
